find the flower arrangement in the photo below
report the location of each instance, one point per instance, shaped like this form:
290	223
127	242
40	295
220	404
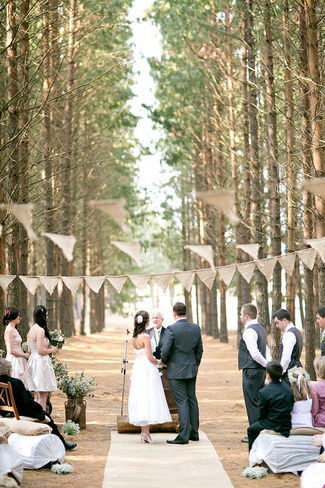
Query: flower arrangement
255	472
64	468
57	338
70	428
77	385
60	369
24	346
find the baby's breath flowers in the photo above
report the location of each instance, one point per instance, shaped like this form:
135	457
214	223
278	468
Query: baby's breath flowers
64	468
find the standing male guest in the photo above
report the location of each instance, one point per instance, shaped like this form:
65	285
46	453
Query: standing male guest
291	344
253	355
320	320
157	332
182	352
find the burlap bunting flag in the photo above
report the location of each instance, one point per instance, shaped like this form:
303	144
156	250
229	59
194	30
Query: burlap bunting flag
117	282
227	273
223	200
23	214
315	185
163	280
287	262
72	282
319	245
204	251
246	270
65	243
114	208
5	281
140	281
95	282
186	278
308	256
266	266
49	282
251	249
131	248
207	276
31	283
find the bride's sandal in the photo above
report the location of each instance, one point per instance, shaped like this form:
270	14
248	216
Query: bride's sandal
146	438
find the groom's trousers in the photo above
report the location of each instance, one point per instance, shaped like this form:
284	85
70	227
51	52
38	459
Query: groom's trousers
183	391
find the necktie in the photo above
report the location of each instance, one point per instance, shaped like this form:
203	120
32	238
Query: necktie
158	335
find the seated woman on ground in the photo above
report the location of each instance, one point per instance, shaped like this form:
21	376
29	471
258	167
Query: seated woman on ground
301	413
318	393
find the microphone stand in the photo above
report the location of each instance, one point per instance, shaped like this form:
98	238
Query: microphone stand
123	368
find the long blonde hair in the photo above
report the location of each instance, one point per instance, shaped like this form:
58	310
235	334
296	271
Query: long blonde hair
299	378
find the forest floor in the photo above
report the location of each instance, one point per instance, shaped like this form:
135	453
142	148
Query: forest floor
222	412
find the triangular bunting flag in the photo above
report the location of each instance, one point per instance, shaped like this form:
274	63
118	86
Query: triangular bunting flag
117	282
227	273
186	278
246	270
207	276
251	249
131	248
23	214
65	243
140	281
319	245
223	200
163	280
204	251
307	256
31	283
315	185
266	266
114	208
5	281
95	282
72	282
287	262
49	282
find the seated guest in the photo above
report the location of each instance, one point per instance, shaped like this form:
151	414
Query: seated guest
25	404
318	393
275	403
301	412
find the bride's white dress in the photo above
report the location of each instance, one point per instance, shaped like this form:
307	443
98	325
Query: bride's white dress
147	401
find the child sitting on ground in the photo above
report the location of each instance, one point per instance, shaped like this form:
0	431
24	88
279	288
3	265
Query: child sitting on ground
275	404
301	413
318	393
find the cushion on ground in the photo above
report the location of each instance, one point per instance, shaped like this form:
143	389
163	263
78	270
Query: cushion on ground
24	427
31	419
11	462
284	454
298	431
37	451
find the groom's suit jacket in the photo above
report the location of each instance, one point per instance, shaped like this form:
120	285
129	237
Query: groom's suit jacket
151	332
182	349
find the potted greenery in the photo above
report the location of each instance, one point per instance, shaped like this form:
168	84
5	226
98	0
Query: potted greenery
76	387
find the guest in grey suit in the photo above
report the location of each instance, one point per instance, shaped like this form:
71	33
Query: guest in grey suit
182	352
157	332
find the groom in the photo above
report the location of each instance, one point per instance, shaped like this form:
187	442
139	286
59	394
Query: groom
182	351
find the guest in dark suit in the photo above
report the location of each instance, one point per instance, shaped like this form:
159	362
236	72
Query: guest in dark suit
320	320
275	403
291	344
157	332
25	404
182	352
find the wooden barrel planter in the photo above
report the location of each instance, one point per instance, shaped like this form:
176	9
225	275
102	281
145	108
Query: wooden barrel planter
75	409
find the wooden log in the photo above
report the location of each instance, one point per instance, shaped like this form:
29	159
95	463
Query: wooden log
123	426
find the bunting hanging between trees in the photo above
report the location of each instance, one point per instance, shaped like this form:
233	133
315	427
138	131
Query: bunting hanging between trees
65	243
23	213
204	251
223	200
115	209
132	249
251	249
315	185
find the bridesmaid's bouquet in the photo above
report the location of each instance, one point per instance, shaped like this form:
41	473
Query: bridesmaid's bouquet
57	338
24	346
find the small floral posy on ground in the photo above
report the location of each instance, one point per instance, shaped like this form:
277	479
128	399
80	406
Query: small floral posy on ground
70	428
57	338
255	472
64	468
77	385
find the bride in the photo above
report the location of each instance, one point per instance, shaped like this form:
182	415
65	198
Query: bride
147	401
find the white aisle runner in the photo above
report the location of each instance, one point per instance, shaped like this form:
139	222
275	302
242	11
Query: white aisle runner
133	464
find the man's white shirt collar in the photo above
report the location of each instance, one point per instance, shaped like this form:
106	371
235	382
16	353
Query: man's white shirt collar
289	326
251	322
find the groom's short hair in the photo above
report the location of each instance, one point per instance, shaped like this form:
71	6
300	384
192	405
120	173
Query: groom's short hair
180	309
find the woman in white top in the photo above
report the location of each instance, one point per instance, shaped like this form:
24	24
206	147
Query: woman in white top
15	354
301	413
40	373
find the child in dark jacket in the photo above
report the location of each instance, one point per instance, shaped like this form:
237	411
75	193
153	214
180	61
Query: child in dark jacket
275	403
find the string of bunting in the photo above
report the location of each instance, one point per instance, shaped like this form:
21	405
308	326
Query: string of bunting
186	278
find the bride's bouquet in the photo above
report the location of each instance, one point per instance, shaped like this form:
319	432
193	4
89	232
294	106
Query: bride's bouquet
57	338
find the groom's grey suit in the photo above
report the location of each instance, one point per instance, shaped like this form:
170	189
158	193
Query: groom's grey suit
182	351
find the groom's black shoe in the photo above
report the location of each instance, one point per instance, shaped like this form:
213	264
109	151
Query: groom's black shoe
194	437
177	441
70	445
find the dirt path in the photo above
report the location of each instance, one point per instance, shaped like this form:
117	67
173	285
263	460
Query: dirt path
222	412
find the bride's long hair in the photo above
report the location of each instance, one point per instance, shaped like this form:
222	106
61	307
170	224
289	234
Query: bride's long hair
141	320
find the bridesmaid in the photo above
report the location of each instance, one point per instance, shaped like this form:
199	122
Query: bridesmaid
15	354
40	373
